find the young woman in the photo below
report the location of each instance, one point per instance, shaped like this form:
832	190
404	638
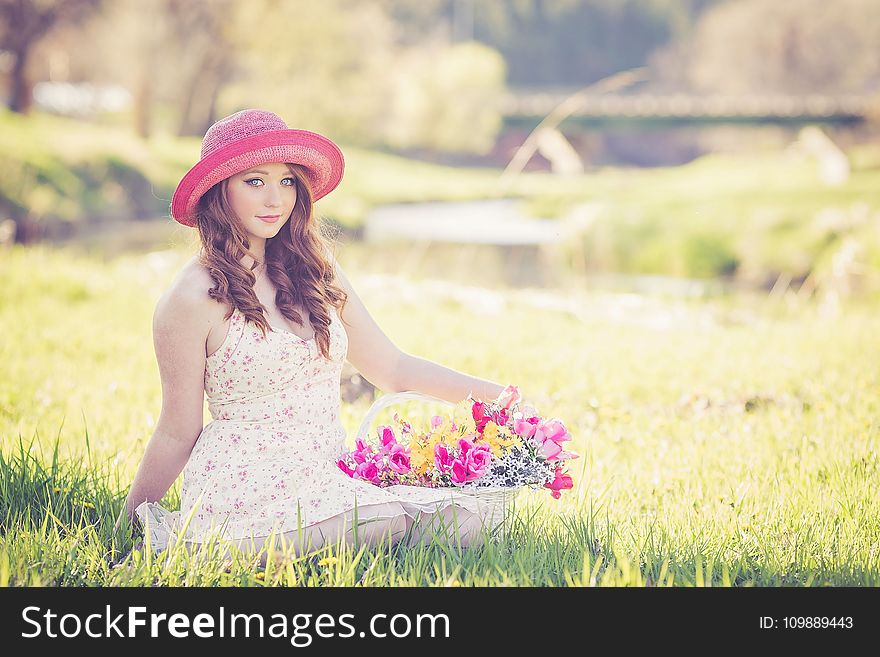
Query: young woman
262	321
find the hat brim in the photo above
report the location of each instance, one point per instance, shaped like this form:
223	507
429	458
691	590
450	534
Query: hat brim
321	158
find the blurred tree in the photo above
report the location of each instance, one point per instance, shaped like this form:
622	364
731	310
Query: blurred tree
22	24
173	55
567	43
416	23
203	29
570	43
345	68
322	66
445	98
780	46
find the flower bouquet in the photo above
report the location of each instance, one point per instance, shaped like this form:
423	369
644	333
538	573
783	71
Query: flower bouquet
480	447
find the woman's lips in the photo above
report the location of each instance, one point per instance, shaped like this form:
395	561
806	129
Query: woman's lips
269	219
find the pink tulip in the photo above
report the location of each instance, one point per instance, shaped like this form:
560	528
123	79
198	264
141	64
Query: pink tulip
552	430
525	426
550	450
508	397
477	410
386	438
344	467
398	459
500	418
459	473
560	482
442	458
471	462
548	436
479	458
367	471
363	452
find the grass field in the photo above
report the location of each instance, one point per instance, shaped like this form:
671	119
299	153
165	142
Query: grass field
734	444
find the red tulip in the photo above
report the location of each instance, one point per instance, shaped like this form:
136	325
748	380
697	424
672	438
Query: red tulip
560	482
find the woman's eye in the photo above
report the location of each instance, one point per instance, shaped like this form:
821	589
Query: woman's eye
248	182
289	179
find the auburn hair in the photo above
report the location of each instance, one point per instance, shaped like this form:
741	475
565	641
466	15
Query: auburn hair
297	262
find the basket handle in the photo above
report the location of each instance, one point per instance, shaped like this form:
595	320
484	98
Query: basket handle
387	400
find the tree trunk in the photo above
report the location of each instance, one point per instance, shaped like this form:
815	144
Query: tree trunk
201	104
184	125
213	94
21	98
143	103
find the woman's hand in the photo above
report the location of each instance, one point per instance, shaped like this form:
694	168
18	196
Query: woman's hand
133	520
137	528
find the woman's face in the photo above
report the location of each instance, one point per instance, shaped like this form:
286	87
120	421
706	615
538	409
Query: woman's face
262	198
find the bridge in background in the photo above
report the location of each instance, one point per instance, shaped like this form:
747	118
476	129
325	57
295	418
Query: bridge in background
530	107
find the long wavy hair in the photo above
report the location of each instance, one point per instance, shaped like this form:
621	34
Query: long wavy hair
297	262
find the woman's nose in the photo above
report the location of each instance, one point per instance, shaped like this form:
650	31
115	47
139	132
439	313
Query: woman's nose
273	197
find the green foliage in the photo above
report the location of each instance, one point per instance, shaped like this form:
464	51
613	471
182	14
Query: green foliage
60	170
576	42
444	99
759	47
700	467
753	216
322	66
345	76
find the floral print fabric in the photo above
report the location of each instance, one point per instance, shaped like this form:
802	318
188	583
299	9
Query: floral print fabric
267	459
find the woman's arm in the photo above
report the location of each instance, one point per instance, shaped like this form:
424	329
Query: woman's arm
164	459
430	378
180	327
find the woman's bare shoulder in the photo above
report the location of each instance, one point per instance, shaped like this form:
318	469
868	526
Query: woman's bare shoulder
188	293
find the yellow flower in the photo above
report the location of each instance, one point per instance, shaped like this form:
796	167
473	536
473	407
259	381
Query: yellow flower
497	440
421	456
328	561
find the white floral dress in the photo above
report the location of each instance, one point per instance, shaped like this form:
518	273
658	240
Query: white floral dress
267	460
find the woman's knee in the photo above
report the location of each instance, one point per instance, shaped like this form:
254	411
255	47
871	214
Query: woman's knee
452	524
369	523
471	531
385	520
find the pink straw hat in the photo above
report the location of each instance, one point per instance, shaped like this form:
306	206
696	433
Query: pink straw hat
248	138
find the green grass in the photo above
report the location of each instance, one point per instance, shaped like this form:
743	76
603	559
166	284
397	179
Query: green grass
754	215
738	452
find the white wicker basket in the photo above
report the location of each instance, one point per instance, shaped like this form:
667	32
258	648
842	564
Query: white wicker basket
492	502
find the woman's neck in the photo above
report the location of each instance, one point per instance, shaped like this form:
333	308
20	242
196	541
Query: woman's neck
248	262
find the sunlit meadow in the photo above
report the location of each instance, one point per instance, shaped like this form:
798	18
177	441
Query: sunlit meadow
724	442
